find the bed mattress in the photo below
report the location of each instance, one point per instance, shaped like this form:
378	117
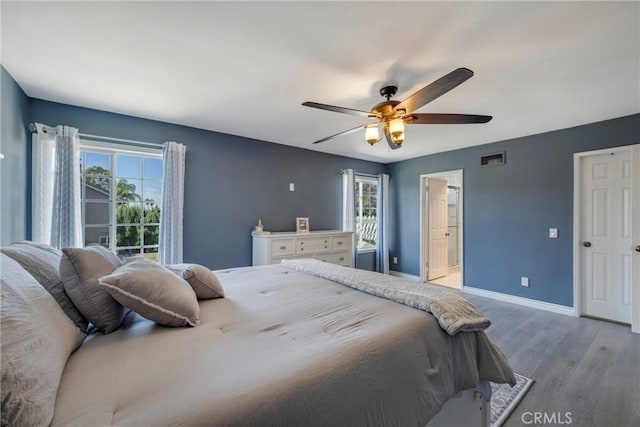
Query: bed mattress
282	349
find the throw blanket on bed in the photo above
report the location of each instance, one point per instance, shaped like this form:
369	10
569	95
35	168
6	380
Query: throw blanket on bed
453	312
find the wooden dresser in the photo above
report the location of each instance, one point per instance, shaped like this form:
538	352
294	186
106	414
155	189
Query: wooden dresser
328	246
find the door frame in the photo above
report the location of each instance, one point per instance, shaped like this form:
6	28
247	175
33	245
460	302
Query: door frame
424	240
578	294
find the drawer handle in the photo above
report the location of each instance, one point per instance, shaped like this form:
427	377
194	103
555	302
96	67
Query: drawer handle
283	248
339	243
301	249
302	243
341	258
325	247
325	241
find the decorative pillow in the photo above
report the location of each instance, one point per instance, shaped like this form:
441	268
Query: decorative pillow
42	262
37	339
205	284
80	270
154	292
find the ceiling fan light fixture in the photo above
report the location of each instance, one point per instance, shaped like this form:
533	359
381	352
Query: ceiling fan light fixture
398	139
372	134
396	128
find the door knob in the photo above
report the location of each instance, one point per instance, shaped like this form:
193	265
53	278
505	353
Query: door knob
586	244
637	248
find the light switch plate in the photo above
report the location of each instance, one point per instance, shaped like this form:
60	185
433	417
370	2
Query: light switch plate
524	281
553	233
292	186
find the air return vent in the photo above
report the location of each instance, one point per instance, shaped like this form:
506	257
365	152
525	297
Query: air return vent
494	159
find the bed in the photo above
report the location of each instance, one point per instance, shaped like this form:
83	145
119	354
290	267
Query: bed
283	348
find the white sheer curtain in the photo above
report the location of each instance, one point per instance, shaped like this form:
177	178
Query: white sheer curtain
382	209
56	198
172	204
349	207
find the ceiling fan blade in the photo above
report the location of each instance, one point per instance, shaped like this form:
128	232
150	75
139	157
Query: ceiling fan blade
435	90
392	144
345	132
445	119
344	110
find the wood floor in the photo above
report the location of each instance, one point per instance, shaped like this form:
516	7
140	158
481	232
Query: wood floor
588	367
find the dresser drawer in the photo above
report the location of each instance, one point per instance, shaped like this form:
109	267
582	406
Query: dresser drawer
340	242
282	247
342	258
314	244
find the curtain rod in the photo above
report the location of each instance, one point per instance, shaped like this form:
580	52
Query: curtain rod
360	174
121	140
33	129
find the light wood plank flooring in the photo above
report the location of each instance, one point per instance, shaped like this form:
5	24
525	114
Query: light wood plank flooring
588	367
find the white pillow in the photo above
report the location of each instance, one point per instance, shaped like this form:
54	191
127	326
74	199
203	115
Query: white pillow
37	339
154	292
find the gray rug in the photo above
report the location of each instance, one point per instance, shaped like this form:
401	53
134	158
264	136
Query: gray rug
505	398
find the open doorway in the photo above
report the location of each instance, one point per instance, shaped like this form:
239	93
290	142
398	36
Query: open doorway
441	228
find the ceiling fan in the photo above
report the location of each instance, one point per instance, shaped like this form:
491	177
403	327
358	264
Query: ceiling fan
392	115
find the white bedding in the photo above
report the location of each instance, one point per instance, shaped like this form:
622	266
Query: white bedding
282	349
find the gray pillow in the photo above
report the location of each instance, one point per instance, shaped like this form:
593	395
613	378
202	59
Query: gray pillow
154	292
80	269
42	262
204	283
37	339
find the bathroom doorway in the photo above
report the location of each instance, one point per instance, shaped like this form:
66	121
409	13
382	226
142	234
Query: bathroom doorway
441	230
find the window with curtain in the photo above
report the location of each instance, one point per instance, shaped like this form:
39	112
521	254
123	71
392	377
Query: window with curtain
366	200
121	192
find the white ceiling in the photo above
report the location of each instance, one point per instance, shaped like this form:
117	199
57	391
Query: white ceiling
245	68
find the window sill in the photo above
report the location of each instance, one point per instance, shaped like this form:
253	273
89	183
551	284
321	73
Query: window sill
366	250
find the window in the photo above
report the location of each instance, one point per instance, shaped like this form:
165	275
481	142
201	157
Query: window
121	193
366	195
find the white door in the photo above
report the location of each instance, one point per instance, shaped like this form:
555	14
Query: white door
437	199
606	236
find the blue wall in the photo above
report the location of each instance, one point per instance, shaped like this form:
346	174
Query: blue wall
508	209
230	181
14	113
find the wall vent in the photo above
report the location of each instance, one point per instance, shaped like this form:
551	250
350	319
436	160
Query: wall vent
494	159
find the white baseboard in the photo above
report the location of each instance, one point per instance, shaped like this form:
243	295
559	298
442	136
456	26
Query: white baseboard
404	275
527	302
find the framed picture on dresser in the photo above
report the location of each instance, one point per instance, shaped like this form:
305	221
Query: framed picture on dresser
302	225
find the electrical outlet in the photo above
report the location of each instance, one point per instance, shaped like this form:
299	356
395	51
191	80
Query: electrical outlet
395	259
553	233
292	186
524	281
